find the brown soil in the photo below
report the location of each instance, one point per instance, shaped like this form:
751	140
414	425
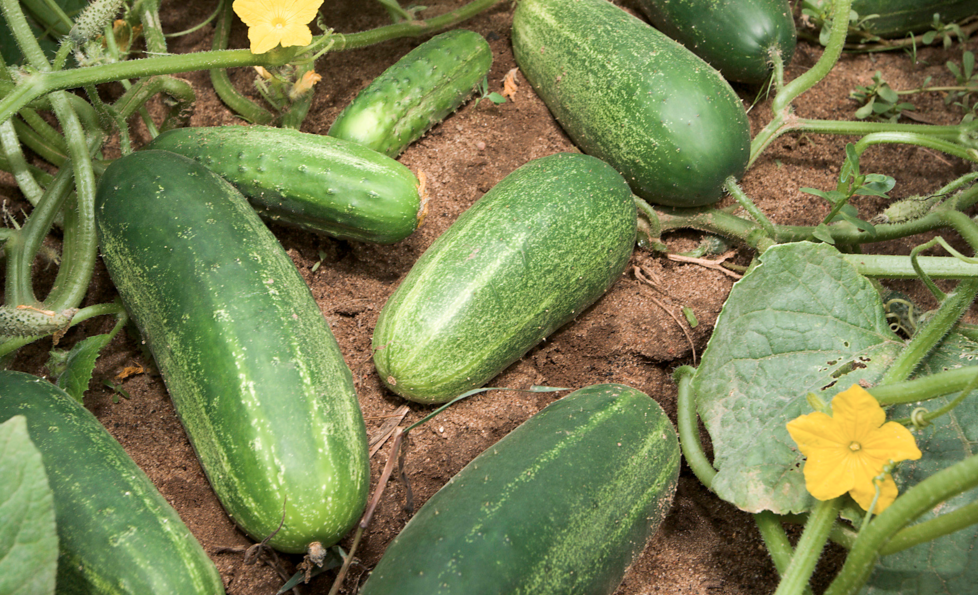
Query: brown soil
705	546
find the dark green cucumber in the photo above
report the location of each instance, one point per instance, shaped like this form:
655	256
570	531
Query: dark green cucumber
116	533
525	259
734	36
896	18
563	504
309	181
633	97
254	372
416	93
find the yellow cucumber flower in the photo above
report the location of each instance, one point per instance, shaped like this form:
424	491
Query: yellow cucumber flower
274	22
848	450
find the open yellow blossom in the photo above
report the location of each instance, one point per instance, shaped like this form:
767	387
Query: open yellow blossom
274	22
846	451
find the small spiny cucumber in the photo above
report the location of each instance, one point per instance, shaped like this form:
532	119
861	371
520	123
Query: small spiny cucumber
416	93
309	181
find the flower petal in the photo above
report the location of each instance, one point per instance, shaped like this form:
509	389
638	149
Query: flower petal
894	442
816	431
263	38
864	493
827	475
295	34
302	11
858	412
252	12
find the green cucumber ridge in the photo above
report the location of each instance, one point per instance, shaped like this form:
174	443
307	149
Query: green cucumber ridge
562	504
633	97
525	259
116	533
313	182
417	92
221	305
733	36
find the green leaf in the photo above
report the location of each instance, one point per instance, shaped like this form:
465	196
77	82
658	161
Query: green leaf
822	233
28	536
80	364
803	321
866	110
863	225
496	98
949	564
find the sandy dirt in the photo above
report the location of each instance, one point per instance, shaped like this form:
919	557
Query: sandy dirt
705	546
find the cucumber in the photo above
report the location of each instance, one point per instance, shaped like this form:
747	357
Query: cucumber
896	18
309	181
116	533
733	36
525	259
253	370
633	97
416	93
563	504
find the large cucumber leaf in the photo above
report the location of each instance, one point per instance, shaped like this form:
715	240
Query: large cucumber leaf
802	321
949	565
28	537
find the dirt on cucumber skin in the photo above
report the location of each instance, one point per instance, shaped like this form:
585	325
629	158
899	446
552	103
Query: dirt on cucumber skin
705	546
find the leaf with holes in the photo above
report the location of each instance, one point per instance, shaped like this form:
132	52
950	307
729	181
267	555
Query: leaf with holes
803	321
948	565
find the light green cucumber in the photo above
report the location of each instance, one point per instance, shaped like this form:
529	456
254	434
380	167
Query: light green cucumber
117	535
310	181
417	92
254	372
525	259
633	97
563	504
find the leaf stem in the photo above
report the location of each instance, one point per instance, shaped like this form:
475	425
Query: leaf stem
810	546
689	433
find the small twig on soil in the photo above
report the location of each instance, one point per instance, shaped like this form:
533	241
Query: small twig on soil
645	279
385	431
716	265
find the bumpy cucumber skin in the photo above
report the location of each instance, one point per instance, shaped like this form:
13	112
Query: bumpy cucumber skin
633	97
899	17
561	505
116	533
417	92
525	259
254	372
310	181
733	36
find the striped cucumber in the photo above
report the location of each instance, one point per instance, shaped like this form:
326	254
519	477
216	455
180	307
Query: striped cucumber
525	259
734	36
633	97
416	93
309	181
116	533
563	504
253	370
